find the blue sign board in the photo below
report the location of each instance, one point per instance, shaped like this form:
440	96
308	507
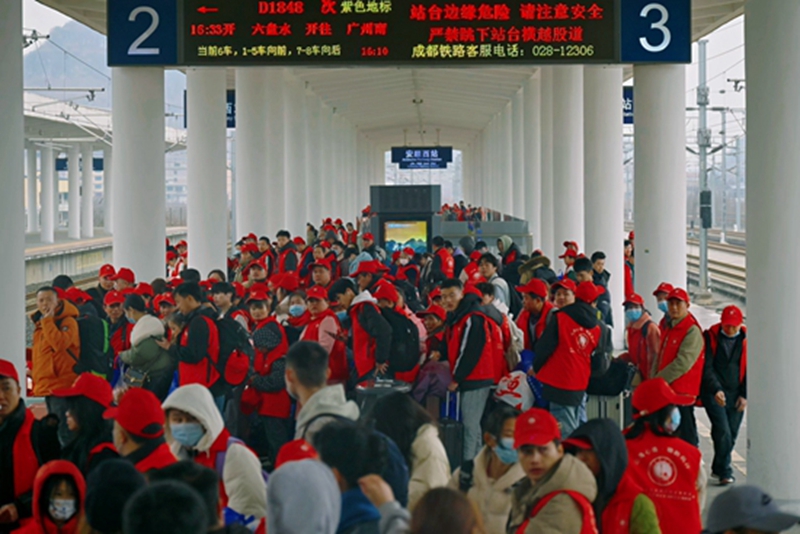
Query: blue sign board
142	32
433	157
656	31
63	166
231	108
627	104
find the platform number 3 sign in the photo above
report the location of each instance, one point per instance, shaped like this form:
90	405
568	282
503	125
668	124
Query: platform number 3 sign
142	32
656	32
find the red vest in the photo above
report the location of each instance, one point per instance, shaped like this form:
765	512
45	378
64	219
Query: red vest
26	464
524	318
667	469
273	403
282	259
616	517
159	458
209	459
689	383
637	349
589	525
570	365
337	359
448	263
205	372
484	369
404	270
713	337
363	343
121	338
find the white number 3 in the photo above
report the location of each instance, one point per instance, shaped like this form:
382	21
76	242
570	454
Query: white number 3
660	26
135	48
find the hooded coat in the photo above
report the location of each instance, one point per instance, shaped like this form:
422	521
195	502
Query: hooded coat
41	522
56	349
537	267
512	260
197	401
616	490
297	488
329	400
245	497
429	467
145	354
561	515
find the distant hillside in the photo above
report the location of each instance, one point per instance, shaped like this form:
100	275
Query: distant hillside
51	67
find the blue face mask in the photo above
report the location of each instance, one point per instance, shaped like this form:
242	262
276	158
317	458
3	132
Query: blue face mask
674	421
505	451
663	306
296	310
188	434
342	315
132	321
633	315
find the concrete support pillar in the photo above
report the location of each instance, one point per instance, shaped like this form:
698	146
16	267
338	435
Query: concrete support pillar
518	185
659	203
505	140
257	159
337	168
108	185
326	185
568	154
12	213
604	188
74	195
532	147
87	191
49	195
139	189
294	155
492	165
772	69
313	159
206	154
32	190
275	184
548	211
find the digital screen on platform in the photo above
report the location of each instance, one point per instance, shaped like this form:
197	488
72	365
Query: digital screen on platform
398	235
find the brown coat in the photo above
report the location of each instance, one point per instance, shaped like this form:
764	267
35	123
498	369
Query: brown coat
54	339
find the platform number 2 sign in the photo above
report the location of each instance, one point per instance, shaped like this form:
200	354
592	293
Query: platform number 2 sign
656	31
142	32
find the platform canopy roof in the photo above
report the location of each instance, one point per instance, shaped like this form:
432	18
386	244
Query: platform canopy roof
393	105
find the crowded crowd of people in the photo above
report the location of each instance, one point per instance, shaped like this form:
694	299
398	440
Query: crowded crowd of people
321	384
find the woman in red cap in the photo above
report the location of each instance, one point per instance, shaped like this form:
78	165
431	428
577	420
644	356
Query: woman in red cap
666	467
643	337
325	329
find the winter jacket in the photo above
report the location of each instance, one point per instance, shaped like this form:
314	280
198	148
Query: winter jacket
725	367
25	445
492	497
394	518
303	498
682	355
287	258
537	267
467	339
145	354
87	452
329	400
512	261
430	467
620	500
197	401
41	523
501	289
372	334
197	350
247	495
359	516
56	349
562	514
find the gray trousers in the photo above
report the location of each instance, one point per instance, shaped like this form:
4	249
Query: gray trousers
58	407
472	405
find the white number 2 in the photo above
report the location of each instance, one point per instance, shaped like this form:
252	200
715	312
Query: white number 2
135	49
660	26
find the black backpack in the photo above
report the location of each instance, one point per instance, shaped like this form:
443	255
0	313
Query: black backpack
410	295
96	354
404	351
514	302
236	354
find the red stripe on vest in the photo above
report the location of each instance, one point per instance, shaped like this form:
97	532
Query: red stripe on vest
363	343
205	372
484	369
448	263
26	464
589	525
713	334
616	518
158	459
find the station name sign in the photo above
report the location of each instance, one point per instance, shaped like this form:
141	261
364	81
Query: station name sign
432	157
397	32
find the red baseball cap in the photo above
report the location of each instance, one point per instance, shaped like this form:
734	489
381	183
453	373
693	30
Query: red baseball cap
252	236
113	297
125	274
634	298
396	255
476	255
317	293
578	443
295	451
435	293
569	253
678	294
536	427
139	413
239	289
732	316
588	292
368	267
182	243
324	263
368	237
535	287
77	296
164	298
652	395
663	287
257	296
250	248
107	271
90	386
143	289
299	241
7	370
386	291
566	283
338	222
325	245
434	309
568	244
410	252
171	255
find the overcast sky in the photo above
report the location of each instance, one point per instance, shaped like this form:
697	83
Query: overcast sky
725	60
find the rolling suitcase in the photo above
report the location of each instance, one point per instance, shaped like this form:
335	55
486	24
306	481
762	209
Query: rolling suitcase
615	407
369	392
451	431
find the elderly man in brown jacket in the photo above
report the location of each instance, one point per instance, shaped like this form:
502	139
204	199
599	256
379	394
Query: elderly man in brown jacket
56	350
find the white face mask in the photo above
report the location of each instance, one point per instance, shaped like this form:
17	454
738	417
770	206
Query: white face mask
62	509
403	261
